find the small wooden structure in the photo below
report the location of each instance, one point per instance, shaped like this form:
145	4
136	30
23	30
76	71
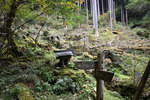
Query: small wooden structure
64	57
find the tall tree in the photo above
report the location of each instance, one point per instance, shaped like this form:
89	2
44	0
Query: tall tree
110	11
87	17
91	6
114	13
102	7
126	17
95	22
98	8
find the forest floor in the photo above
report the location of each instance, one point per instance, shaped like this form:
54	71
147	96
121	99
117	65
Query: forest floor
34	75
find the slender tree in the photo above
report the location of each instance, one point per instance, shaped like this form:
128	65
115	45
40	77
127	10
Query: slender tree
121	14
126	17
102	7
114	14
95	22
110	10
91	6
87	17
98	8
123	18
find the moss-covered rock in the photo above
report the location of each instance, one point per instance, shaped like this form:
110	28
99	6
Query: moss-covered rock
23	92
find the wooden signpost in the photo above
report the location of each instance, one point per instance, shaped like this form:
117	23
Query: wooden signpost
101	75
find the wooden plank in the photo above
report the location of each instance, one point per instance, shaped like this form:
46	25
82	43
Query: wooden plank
56	51
142	82
104	75
68	53
60	53
86	64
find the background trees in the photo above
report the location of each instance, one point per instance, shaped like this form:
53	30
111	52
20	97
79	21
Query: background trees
139	13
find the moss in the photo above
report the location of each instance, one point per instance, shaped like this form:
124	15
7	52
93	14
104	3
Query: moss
72	73
29	40
23	65
23	92
87	55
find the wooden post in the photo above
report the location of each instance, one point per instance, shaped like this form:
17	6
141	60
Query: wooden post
142	82
100	83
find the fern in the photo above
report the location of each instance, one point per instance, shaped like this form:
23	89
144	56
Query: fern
64	85
47	76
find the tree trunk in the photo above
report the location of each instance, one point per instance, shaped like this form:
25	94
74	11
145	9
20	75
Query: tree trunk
91	7
110	10
80	3
98	8
95	22
87	10
121	14
102	7
7	27
126	17
123	18
114	13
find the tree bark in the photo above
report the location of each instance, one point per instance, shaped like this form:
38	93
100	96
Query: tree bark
87	10
114	13
95	22
91	5
126	17
110	10
121	14
98	8
7	27
102	7
123	18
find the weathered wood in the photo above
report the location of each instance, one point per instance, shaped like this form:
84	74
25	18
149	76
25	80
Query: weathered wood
104	75
100	83
86	64
63	53
142	82
136	48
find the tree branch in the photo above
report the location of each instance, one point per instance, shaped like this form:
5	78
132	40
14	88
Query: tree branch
28	21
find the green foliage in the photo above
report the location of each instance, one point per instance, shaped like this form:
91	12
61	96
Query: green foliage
103	20
71	65
42	86
142	32
50	57
46	75
64	85
139	13
110	95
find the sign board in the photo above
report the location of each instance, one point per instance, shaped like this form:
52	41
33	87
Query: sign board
86	64
102	75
